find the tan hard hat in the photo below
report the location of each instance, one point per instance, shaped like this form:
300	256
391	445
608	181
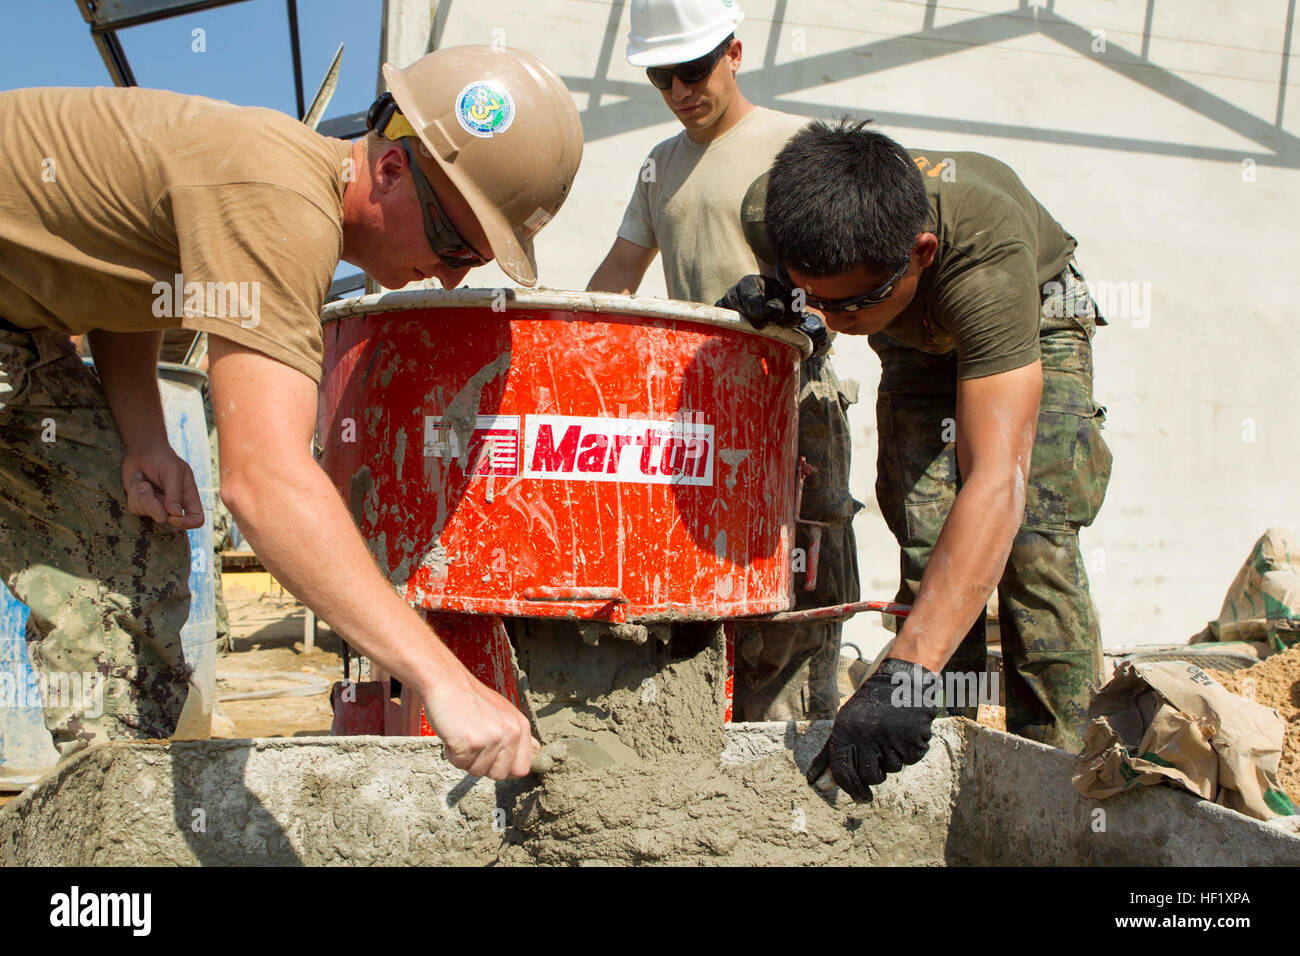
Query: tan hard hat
505	130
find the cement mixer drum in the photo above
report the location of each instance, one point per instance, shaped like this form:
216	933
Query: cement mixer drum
557	454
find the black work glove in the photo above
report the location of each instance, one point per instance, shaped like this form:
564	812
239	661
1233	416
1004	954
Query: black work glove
763	301
880	729
816	330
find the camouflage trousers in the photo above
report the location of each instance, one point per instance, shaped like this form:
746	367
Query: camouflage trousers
788	671
107	589
1051	643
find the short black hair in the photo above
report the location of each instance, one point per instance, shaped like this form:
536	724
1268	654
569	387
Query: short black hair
840	196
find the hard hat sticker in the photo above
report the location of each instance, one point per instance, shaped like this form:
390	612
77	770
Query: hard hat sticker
539	218
485	109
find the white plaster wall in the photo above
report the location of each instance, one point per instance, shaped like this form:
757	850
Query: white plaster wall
1138	150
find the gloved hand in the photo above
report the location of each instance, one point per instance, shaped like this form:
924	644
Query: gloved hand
879	730
763	301
816	330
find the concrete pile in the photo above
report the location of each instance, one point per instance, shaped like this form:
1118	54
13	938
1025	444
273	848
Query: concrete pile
647	775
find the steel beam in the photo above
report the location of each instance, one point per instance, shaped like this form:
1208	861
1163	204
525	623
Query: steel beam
407	32
103	15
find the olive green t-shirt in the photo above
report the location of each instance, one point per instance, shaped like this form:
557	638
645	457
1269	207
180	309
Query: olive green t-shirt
997	247
132	210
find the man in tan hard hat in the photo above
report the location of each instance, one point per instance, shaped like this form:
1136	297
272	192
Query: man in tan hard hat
687	206
124	212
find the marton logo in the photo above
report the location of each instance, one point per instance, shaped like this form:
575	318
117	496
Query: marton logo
618	449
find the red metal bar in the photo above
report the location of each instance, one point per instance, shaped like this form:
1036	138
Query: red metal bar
729	636
611	603
814	552
613	595
837	612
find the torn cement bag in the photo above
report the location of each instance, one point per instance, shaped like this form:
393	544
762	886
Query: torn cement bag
1263	601
1169	721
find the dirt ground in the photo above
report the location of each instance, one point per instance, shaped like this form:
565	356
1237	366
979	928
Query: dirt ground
1275	682
266	630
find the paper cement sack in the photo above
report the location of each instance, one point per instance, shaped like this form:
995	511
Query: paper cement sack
1170	721
1263	601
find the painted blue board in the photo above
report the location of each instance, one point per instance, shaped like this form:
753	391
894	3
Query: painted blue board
187	430
25	744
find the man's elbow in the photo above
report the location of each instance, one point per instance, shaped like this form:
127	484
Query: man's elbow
1004	490
236	496
243	486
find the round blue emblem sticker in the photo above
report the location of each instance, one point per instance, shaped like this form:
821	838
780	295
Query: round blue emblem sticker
485	109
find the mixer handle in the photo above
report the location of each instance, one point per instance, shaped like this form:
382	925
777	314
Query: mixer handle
604	596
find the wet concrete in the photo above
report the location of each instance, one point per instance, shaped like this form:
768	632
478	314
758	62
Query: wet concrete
978	797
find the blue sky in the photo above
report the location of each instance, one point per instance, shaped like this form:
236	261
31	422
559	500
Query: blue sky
247	60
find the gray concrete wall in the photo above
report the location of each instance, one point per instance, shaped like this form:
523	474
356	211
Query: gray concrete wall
1170	153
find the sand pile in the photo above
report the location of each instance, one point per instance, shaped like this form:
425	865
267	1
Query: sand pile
1275	682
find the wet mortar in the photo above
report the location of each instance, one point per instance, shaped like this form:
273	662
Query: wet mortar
639	732
645	774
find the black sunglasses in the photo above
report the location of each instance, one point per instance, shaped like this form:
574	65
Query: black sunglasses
450	245
690	72
852	303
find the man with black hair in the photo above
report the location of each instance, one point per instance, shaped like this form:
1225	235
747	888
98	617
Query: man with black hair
990	451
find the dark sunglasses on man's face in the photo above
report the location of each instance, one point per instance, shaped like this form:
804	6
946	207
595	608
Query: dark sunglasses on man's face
852	303
690	72
450	246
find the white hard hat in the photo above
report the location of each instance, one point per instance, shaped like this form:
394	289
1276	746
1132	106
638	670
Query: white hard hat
665	32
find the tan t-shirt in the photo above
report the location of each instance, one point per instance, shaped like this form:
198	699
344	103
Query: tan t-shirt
687	203
131	210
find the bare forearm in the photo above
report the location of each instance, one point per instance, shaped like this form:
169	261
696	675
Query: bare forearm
964	569
609	278
622	269
127	364
302	533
